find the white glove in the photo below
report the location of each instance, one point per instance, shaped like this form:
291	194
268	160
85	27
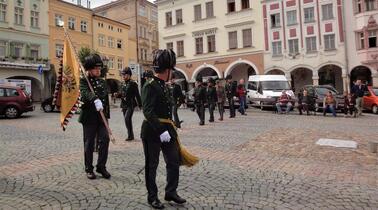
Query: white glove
98	105
165	137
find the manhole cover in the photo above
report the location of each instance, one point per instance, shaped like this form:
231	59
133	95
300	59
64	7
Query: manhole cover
337	143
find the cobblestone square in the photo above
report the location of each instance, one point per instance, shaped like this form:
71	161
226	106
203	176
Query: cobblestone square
258	161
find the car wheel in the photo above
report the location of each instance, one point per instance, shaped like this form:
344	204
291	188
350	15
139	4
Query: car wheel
11	112
375	109
48	108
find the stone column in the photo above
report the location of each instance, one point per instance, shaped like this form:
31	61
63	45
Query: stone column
315	80
345	83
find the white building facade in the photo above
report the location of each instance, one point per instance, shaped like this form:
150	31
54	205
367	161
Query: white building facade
304	40
361	34
213	38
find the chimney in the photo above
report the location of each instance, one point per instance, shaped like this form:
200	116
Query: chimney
88	4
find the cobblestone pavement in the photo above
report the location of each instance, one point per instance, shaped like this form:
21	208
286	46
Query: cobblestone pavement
259	161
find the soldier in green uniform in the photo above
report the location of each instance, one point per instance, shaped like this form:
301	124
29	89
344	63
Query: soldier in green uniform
230	95
177	100
130	98
200	100
91	119
158	135
211	98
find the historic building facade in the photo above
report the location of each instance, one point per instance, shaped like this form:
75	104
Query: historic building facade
24	44
213	38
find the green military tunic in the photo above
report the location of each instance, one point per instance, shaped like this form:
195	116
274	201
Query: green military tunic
156	104
88	113
130	94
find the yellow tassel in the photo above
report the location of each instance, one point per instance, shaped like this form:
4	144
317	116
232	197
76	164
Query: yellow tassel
187	159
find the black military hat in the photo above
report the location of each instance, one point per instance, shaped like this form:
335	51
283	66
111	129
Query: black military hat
163	59
92	61
228	77
126	70
211	81
148	74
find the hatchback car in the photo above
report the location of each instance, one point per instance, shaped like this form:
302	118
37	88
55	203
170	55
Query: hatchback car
371	100
14	101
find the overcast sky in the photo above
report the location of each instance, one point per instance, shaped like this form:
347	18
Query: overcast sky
96	3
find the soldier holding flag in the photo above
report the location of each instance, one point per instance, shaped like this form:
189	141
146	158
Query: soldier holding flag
90	118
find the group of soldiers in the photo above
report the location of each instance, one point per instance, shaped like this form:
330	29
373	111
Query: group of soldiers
213	94
158	131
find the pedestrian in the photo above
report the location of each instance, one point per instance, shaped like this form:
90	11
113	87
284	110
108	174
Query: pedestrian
200	100
349	104
304	102
221	98
284	101
230	95
211	98
329	103
90	117
178	99
241	93
358	90
130	98
158	135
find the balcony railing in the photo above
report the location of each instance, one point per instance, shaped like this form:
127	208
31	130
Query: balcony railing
25	62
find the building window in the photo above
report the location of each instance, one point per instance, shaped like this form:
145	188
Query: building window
291	17
101	40
233	40
110	42
58	50
180	48
170	46
372	39
142	11
154	15
275	20
362	40
120	63
327	11
119	43
293	47
119	30
309	14
199	45
58	20
34	19
111	63
245	4
277	48
18	16
311	44
231	6
209	9
71	23
3	12
3	47
18	50
329	42
34	52
197	12
359	6
110	27
168	18
247	38
211	43
370	5
83	26
178	16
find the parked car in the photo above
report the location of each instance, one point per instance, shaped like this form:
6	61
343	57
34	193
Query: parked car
320	91
47	105
371	100
14	101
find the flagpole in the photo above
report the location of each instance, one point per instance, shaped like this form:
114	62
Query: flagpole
111	137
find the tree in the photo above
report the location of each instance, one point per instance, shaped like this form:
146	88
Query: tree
86	51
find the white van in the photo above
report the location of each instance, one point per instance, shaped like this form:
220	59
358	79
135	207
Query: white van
264	90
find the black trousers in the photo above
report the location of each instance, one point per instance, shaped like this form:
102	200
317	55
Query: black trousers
90	133
128	115
221	109
175	115
231	104
171	155
211	110
200	108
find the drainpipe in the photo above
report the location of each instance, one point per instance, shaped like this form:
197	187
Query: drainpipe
346	48
136	30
